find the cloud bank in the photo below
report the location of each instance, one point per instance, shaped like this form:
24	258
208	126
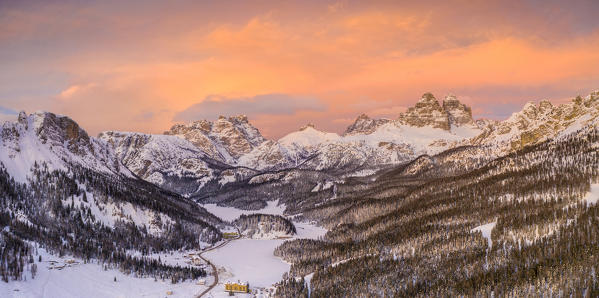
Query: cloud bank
143	65
267	104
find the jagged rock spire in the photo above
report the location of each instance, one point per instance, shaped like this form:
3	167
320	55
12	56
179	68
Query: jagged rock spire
458	113
364	125
233	134
426	112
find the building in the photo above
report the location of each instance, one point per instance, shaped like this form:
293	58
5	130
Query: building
230	235
198	262
237	287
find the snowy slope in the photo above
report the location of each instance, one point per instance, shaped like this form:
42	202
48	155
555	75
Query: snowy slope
206	156
486	230
390	143
225	139
538	122
171	162
57	141
52	142
81	279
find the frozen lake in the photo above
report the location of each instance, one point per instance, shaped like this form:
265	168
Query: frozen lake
253	260
250	260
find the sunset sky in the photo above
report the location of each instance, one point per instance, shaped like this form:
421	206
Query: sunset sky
145	65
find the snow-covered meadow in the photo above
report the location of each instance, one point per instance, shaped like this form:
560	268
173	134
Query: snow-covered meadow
91	280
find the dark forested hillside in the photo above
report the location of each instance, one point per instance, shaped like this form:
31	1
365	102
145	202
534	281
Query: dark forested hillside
264	225
420	232
60	211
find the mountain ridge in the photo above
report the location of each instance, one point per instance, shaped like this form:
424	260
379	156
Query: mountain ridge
397	193
201	155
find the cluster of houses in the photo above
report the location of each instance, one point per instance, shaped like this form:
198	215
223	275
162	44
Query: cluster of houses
58	265
194	259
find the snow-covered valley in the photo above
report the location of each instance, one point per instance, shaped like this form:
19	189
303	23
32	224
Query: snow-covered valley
252	260
210	220
248	260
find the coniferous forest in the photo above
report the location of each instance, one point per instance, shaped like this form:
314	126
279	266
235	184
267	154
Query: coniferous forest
313	149
420	239
253	224
54	211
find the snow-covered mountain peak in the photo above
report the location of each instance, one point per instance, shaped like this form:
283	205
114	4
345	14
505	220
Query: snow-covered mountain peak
164	160
364	125
239	119
308	126
531	112
427	99
428	112
226	139
450	97
59	130
538	122
545	106
22	118
44	137
593	95
308	135
459	114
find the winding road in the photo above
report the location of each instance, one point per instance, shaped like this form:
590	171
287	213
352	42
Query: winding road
215	283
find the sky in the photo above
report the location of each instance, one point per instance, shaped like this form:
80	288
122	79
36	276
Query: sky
145	65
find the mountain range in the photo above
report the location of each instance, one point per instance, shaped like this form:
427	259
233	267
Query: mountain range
197	160
431	203
202	156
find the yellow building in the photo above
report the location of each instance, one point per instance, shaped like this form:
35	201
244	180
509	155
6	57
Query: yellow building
230	235
237	287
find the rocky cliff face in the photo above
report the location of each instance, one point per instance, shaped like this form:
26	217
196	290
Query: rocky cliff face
183	156
364	125
59	130
225	139
428	112
458	113
58	141
538	122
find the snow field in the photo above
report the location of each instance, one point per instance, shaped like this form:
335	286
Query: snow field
249	260
486	229
593	195
91	280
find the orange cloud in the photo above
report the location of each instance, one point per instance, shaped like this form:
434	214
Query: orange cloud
354	58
